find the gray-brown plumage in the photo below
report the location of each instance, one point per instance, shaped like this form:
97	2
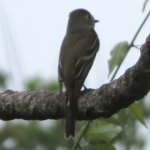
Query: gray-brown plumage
78	51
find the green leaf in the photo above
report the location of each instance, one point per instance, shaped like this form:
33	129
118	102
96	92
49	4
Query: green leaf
33	84
88	147
123	117
52	85
3	78
101	131
136	111
106	147
40	83
118	53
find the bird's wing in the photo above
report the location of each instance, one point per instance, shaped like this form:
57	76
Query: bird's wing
84	63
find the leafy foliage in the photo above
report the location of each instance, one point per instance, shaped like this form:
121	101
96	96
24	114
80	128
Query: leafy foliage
32	135
118	53
106	147
3	78
101	134
39	83
102	131
137	112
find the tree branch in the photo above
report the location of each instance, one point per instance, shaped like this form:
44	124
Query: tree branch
92	104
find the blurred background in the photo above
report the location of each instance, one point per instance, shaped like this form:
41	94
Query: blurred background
31	33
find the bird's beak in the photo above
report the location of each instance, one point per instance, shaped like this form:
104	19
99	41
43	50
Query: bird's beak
95	20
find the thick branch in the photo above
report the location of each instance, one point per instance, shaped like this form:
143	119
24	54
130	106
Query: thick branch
102	102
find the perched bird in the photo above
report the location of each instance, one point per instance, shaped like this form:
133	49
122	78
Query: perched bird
78	51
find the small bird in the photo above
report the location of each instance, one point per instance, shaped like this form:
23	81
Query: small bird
77	54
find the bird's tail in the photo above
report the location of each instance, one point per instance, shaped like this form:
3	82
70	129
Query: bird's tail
71	109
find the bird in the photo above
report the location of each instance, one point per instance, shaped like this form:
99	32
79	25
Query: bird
77	53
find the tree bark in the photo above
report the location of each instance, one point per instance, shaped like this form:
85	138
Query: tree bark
92	104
